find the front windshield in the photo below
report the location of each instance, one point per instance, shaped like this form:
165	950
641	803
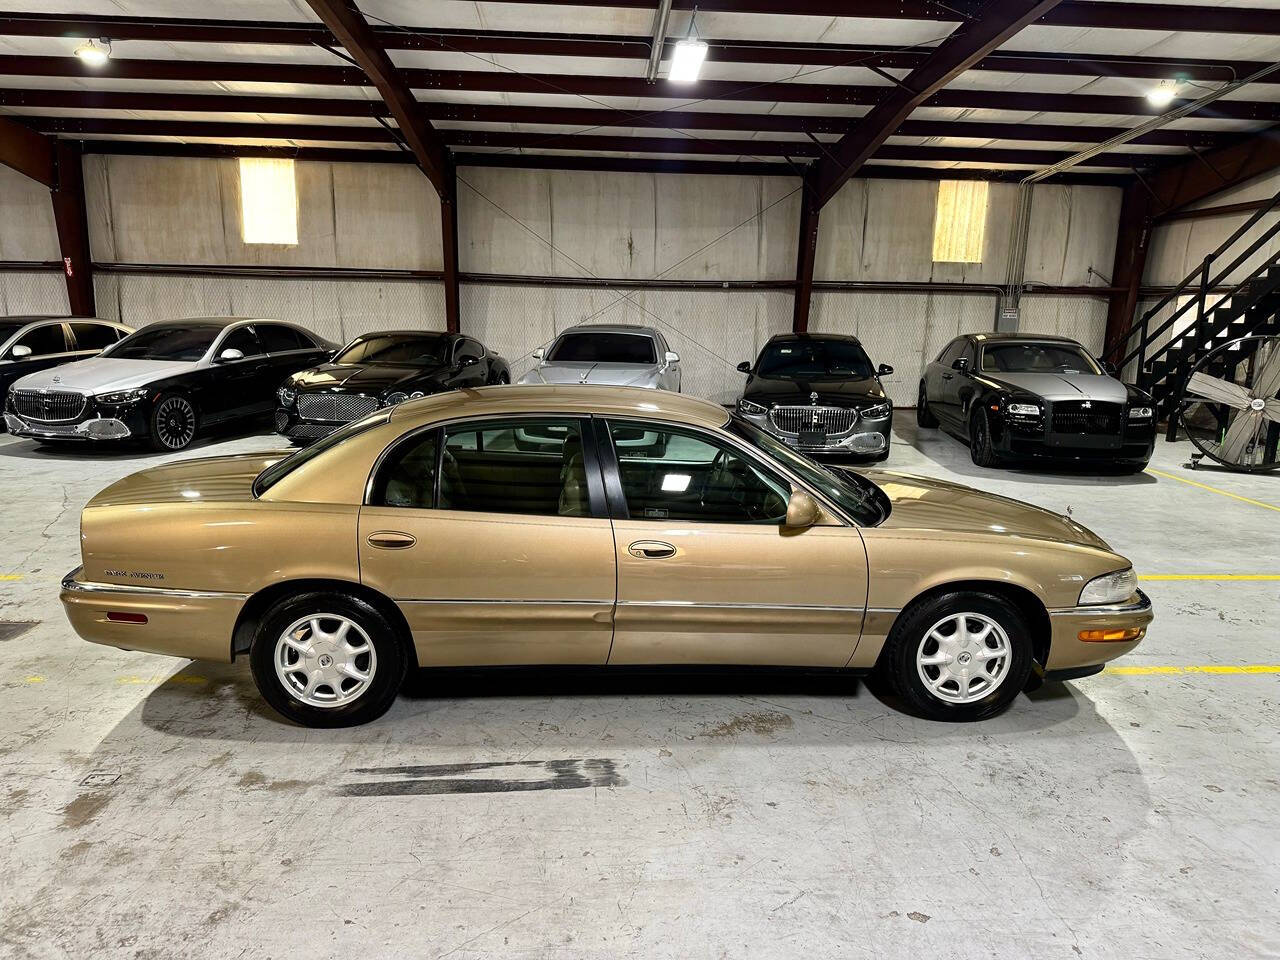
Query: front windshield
855	495
814	360
411	351
166	342
597	347
1036	358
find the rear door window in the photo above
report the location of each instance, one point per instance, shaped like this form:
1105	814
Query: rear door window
94	336
277	338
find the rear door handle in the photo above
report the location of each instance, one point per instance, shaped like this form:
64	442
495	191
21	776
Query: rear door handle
390	540
651	550
947	376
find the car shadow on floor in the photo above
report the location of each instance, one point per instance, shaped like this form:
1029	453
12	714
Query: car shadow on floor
205	701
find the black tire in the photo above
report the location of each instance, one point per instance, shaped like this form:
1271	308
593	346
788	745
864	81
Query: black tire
386	662
911	635
981	451
173	423
924	417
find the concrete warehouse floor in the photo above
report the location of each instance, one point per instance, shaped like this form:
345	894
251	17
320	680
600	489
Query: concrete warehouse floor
156	808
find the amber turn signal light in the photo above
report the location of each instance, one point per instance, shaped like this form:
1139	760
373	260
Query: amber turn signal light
1113	634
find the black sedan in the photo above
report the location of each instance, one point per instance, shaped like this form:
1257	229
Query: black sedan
380	370
1028	395
165	383
819	393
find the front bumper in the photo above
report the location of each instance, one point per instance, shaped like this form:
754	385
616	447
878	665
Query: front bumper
1067	652
1134	443
867	438
96	422
178	623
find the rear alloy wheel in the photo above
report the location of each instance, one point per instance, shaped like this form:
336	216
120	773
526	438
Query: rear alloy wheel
327	660
981	451
924	416
173	422
961	656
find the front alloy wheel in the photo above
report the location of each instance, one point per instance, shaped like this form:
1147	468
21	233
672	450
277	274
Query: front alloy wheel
173	423
981	450
958	656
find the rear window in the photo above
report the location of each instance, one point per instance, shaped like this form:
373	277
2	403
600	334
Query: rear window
269	477
603	348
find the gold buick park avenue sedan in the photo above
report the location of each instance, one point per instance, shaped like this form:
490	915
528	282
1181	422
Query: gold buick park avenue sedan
581	525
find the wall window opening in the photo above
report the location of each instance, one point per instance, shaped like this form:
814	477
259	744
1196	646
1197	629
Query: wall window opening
960	221
268	201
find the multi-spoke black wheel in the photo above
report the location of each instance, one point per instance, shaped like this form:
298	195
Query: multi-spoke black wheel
173	423
924	416
981	450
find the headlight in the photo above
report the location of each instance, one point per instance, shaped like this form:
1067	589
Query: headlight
286	396
394	398
752	409
123	396
1140	413
417	394
878	412
1110	588
1024	409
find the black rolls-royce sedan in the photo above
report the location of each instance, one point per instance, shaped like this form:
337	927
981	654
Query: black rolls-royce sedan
1014	395
31	344
165	383
819	393
380	370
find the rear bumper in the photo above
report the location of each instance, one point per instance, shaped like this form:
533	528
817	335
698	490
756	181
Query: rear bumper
1067	652
178	623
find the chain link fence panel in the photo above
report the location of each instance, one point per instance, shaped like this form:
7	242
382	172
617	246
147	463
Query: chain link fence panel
1083	319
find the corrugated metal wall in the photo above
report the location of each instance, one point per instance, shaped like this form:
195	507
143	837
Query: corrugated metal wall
584	227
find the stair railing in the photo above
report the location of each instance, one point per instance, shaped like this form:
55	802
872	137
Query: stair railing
1204	285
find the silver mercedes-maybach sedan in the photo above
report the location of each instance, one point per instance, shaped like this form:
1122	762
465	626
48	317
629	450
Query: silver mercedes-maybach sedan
614	354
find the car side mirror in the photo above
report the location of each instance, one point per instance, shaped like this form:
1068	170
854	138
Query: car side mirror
230	354
538	354
744	366
884	370
470	361
21	352
672	357
802	510
960	363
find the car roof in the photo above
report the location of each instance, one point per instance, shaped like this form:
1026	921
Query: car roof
405	333
784	337
217	321
571	399
610	328
1022	337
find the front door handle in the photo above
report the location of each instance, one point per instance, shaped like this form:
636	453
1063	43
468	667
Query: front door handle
391	540
651	549
947	376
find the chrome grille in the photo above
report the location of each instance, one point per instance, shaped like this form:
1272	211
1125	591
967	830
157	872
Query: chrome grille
1088	417
834	420
48	406
335	407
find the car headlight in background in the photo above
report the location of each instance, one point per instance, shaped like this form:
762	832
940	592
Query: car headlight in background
1024	409
123	396
1110	588
286	396
1141	413
878	412
394	398
752	409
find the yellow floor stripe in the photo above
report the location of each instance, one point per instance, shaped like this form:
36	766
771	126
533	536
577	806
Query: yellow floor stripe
1248	668
10	576
1209	576
1205	486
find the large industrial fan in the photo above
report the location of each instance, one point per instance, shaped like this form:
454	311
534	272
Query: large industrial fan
1229	404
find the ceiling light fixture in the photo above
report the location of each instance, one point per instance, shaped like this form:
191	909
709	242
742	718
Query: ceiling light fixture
1163	93
688	55
95	52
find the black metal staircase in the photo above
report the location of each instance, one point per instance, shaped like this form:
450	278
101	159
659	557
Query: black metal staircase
1247	306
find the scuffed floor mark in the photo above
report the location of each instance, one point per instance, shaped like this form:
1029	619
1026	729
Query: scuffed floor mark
765	723
12	629
84	809
919	917
253	780
446	778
